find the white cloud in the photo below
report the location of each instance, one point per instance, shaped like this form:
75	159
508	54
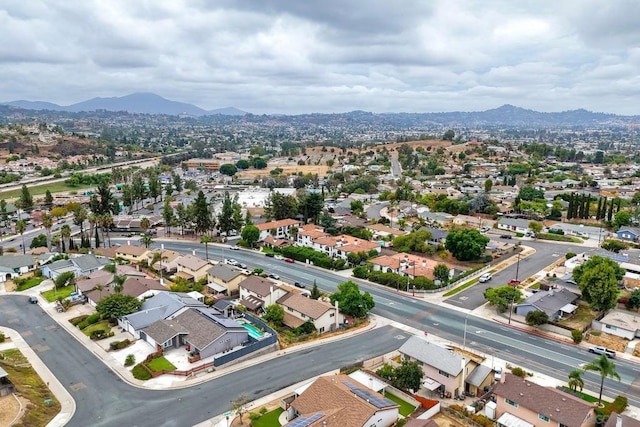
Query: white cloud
277	56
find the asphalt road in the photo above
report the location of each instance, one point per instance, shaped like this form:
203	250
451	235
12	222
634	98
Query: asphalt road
103	399
536	353
546	253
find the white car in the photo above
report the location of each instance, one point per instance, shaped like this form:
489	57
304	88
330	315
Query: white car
485	278
279	257
234	248
231	261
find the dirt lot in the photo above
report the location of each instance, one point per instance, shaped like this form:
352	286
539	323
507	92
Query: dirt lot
287	169
444	420
610	341
9	408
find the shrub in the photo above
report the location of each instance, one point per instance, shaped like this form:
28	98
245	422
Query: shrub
76	320
519	372
361	272
576	335
570	255
139	372
130	360
82	324
263	410
253	416
119	345
2	337
94	318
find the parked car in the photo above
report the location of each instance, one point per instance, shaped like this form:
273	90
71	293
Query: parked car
514	282
33	300
485	278
484	229
234	248
596	349
269	254
298	285
279	257
506	236
289	260
274	276
242	265
571	282
231	261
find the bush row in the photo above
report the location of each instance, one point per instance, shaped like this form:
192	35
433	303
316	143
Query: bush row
393	280
77	320
119	345
319	259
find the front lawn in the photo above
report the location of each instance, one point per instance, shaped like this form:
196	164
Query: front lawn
270	419
405	409
584	396
99	326
160	364
27	283
55	294
581	318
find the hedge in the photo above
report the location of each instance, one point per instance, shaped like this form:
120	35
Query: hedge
76	320
393	280
139	372
94	318
618	406
319	259
119	345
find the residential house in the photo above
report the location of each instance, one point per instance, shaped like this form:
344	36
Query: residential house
341	246
308	233
134	254
225	279
163	305
191	267
618	420
93	285
166	263
555	302
203	332
438	235
445	370
299	309
272	242
625	324
341	401
80	266
514	224
631	234
6	386
12	266
256	293
409	265
280	229
521	403
441	219
142	287
381	231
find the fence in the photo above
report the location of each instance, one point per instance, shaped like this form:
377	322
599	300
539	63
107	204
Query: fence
253	347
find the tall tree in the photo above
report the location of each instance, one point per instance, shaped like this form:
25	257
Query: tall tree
145	223
311	205
79	217
47	223
146	240
225	219
279	206
202	216
21	227
167	215
65	232
206	239
575	380
250	234
103	201
25	201
598	279
48	200
605	367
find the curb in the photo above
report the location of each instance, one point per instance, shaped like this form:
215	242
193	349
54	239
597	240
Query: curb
534	332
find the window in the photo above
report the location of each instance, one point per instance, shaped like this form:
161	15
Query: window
332	315
543	418
511	402
562	425
444	374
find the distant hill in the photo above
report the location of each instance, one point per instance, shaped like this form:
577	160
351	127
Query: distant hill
144	103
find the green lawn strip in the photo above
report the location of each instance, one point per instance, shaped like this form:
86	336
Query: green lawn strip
30	283
30	386
559	238
99	326
460	288
160	364
54	294
270	419
406	408
37	190
584	396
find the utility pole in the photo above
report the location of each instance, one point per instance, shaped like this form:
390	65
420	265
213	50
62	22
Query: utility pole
513	299
518	266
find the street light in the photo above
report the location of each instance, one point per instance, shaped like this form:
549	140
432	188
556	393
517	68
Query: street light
513	299
518	266
464	336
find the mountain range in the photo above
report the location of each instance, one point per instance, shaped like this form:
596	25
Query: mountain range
509	115
144	103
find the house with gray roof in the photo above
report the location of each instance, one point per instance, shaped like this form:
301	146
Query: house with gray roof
224	278
161	306
82	265
258	292
203	332
514	224
445	370
555	302
12	266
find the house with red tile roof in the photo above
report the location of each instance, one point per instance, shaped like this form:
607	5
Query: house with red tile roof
280	229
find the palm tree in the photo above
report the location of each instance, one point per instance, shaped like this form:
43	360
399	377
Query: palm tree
47	223
118	281
79	217
575	379
65	232
146	240
93	222
606	368
21	227
145	224
107	222
206	239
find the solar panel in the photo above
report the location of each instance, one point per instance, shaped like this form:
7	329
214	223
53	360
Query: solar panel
305	421
374	398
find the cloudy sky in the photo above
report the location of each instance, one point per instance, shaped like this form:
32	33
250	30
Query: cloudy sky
297	56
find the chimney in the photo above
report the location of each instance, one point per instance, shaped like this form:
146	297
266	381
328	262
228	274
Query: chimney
193	252
503	377
128	242
619	421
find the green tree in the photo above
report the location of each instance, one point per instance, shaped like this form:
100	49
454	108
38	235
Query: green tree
622	219
25	201
225	219
47	223
633	302
155	188
146	240
79	217
441	273
228	169
416	241
535	226
145	223
536	317
64	279
48	200
40	241
274	313
605	367
243	164
529	193
279	206
408	376
315	292
206	239
503	296
201	212
488	185
118	305
466	244
103	201
167	215
351	301
357	207
65	233
177	182
449	135
250	234
598	281
311	205
575	380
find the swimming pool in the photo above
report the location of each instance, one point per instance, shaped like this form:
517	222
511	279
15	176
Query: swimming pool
253	331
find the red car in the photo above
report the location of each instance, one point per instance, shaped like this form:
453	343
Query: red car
514	282
289	260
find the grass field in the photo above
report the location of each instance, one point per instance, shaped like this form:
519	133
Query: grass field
460	288
270	419
43	405
38	190
99	326
406	408
160	364
54	294
29	283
